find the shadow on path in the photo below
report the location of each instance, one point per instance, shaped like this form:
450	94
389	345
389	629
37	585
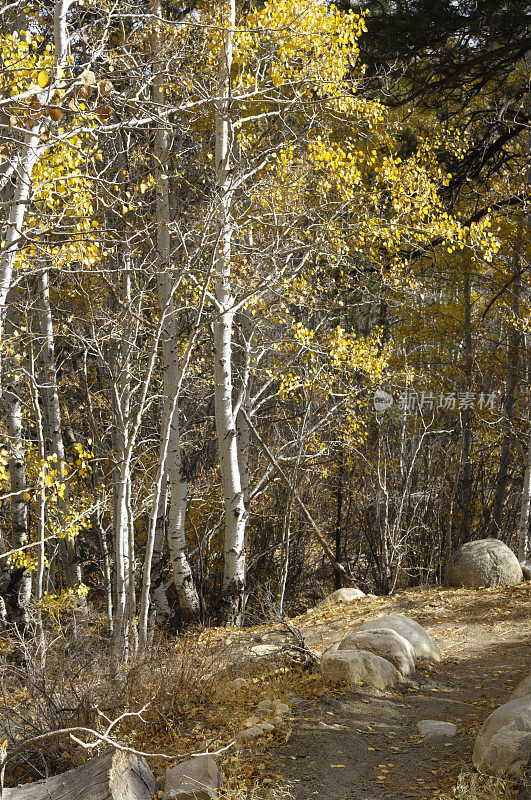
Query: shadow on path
370	747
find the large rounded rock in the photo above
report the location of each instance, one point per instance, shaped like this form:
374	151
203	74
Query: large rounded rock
386	643
359	667
503	744
346	595
522	690
422	643
486	562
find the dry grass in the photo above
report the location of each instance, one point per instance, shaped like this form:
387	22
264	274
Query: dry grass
192	705
473	786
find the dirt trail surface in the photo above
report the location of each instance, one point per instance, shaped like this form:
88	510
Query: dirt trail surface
348	745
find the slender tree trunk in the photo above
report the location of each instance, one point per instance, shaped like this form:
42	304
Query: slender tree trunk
19	510
286	524
524	524
41	512
161	607
466	477
232	596
19	580
524	527
52	429
337	526
15	222
119	362
243	433
176	523
513	350
41	515
121	495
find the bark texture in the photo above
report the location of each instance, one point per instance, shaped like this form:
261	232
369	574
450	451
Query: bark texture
113	776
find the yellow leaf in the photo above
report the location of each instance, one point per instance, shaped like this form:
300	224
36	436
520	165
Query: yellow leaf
43	79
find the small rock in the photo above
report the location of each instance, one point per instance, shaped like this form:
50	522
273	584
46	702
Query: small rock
251	721
197	779
250	733
264	705
280	708
297	701
238	683
268	727
262	650
277	722
334	726
434	727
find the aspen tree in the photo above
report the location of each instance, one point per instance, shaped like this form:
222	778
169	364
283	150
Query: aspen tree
176	535
235	514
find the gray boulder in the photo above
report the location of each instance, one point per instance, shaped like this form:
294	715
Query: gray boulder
359	668
486	562
522	690
503	744
197	779
386	643
346	595
423	645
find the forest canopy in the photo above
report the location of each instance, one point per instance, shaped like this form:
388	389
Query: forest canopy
264	304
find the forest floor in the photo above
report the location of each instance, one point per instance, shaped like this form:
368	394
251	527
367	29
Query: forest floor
335	744
351	745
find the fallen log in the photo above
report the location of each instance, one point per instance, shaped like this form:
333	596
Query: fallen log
116	775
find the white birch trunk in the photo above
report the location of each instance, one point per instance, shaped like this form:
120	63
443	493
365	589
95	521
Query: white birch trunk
170	460
17	473
235	516
41	510
161	607
15	222
120	363
41	513
32	149
19	512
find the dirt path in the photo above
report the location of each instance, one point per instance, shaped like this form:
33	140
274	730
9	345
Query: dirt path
351	745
